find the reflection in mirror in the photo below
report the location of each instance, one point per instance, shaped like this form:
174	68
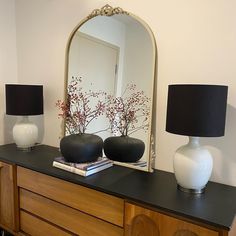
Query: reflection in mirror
110	50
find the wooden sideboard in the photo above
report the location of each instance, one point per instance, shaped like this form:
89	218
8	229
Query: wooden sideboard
142	221
38	199
74	208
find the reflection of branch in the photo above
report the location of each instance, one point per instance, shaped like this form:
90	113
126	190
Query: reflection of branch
103	130
139	116
124	91
128	111
89	121
137	128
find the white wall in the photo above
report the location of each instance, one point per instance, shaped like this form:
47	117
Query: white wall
195	41
8	65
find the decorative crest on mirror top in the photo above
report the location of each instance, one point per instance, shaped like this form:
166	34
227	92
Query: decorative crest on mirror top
107	10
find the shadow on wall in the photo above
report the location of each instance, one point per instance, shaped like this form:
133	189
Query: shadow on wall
9	122
223	150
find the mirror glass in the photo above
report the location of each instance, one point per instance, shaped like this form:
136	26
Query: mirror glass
114	52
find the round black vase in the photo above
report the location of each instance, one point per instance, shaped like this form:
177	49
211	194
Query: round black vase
124	148
80	148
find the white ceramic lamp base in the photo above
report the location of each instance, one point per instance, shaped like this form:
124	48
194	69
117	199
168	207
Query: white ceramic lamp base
25	134
192	166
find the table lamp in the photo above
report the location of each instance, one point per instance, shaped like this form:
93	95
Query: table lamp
24	100
197	111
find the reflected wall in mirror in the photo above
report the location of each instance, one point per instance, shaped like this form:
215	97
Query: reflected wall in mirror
109	51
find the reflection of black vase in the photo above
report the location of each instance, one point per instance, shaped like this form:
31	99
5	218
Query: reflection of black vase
80	148
124	148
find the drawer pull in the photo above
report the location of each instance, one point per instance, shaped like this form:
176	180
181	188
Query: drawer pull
184	233
144	225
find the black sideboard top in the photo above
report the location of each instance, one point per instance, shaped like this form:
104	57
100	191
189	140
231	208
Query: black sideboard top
217	206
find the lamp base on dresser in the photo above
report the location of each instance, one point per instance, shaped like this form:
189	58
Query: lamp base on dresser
192	191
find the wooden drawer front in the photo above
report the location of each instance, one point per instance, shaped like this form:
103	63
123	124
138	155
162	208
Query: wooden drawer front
93	202
8	196
36	227
145	222
66	217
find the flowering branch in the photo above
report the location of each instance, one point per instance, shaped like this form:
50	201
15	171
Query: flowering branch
128	114
78	110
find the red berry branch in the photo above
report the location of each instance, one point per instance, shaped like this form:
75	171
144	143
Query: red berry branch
129	112
81	107
126	114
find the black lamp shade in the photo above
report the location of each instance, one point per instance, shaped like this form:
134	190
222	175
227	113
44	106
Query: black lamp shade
24	100
196	110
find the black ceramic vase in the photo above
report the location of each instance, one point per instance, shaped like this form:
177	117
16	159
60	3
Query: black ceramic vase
80	148
124	148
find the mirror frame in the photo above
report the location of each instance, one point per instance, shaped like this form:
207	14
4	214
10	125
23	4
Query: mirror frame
107	10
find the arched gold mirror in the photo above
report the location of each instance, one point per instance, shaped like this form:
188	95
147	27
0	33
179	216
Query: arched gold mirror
113	52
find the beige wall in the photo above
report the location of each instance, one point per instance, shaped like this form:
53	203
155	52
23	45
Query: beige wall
8	65
196	44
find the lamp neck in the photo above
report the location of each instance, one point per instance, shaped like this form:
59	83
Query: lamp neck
193	142
24	119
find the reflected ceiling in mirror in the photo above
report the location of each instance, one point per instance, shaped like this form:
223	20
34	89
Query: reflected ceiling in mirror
114	51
